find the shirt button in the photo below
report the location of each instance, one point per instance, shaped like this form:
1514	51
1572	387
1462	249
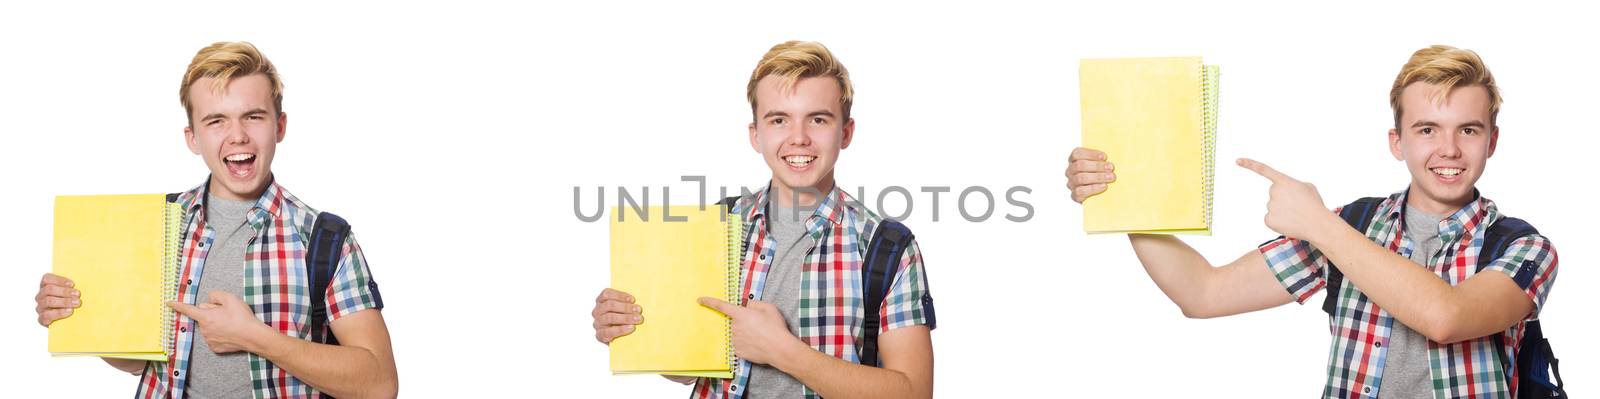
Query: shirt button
183	329
1377	344
175	373
1366	389
734	387
763	256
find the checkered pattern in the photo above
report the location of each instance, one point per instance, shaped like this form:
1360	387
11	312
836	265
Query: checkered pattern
831	296
1360	329
275	287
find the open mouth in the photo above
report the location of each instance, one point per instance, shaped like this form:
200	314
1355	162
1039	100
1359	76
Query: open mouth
240	165
799	161
1446	172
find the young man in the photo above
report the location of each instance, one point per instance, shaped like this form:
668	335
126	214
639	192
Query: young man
244	325
797	331
1399	330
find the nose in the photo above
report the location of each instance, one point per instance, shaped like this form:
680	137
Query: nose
799	137
1450	147
235	134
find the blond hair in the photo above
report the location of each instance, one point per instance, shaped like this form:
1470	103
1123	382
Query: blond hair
793	60
1449	67
224	61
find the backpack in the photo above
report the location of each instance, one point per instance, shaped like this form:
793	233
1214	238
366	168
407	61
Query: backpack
322	260
1537	363
888	243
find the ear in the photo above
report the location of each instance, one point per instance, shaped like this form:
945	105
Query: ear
1394	145
849	133
1494	140
188	139
755	144
283	125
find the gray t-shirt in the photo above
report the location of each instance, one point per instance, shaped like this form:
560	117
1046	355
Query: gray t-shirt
788	228
1405	367
226	375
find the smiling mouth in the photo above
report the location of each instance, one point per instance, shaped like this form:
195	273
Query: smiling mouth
799	161
1446	172
240	165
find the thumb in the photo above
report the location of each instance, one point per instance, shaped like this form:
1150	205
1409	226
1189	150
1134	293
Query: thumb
221	297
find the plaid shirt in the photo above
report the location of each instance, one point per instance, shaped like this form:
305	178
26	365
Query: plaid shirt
1360	329
275	287
830	291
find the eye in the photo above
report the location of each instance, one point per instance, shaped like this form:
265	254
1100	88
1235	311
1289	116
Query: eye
1469	131
818	120
779	121
1427	130
213	122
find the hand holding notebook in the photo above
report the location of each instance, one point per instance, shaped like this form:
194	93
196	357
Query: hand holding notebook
665	259
121	253
1156	118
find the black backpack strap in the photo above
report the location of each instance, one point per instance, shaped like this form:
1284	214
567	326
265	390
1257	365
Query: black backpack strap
888	244
729	203
1359	215
1536	362
1498	239
322	260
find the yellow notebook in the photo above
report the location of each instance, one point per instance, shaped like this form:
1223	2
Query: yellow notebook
1156	120
121	252
667	265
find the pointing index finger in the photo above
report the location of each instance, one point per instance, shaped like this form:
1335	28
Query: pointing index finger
1262	169
722	307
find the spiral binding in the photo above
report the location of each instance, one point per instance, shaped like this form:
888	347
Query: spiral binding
734	259
172	217
1209	100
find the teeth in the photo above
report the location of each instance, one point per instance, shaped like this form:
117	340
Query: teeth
239	157
799	160
1447	172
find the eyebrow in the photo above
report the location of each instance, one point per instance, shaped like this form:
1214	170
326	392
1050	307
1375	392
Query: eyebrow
253	111
1476	124
1418	124
827	113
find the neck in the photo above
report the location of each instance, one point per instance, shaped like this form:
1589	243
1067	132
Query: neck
807	196
215	189
1416	198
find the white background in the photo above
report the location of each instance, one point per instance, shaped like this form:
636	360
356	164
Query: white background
452	135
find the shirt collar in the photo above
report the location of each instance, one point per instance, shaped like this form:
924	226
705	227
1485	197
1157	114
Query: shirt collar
1468	218
269	204
831	209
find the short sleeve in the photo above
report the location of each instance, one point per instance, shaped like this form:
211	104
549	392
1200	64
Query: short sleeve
1531	263
1296	265
908	302
352	289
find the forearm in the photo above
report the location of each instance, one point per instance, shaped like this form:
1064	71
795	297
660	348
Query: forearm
1406	290
342	371
1179	270
130	366
831	377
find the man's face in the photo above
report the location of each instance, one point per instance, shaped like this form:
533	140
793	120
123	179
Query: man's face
799	133
235	132
1445	145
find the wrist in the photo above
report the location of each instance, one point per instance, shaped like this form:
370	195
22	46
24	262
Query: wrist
260	341
789	354
1328	226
